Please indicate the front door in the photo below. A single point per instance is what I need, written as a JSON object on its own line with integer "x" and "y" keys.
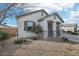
{"x": 50, "y": 33}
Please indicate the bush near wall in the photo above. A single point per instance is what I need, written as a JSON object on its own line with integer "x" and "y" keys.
{"x": 73, "y": 33}
{"x": 3, "y": 36}
{"x": 21, "y": 40}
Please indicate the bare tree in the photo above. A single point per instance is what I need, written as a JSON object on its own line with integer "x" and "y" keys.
{"x": 4, "y": 11}
{"x": 10, "y": 10}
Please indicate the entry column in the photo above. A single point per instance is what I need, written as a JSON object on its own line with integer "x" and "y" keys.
{"x": 54, "y": 29}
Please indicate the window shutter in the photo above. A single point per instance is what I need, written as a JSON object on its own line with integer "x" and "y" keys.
{"x": 25, "y": 25}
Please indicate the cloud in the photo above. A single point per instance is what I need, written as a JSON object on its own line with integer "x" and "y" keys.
{"x": 41, "y": 1}
{"x": 71, "y": 21}
{"x": 51, "y": 6}
{"x": 73, "y": 16}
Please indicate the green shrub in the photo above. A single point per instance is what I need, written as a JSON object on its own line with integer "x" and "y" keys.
{"x": 74, "y": 33}
{"x": 34, "y": 38}
{"x": 3, "y": 35}
{"x": 37, "y": 29}
{"x": 69, "y": 32}
{"x": 19, "y": 41}
{"x": 65, "y": 39}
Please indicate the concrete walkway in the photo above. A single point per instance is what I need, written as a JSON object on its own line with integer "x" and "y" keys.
{"x": 71, "y": 37}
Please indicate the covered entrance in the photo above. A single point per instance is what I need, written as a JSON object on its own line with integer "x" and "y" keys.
{"x": 50, "y": 31}
{"x": 57, "y": 29}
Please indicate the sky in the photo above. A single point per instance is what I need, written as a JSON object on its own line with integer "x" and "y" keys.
{"x": 68, "y": 11}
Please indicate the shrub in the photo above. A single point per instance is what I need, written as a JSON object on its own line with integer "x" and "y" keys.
{"x": 69, "y": 32}
{"x": 34, "y": 38}
{"x": 63, "y": 31}
{"x": 65, "y": 39}
{"x": 37, "y": 29}
{"x": 74, "y": 33}
{"x": 3, "y": 35}
{"x": 19, "y": 41}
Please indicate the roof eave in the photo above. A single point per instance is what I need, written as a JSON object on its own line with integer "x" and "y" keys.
{"x": 32, "y": 12}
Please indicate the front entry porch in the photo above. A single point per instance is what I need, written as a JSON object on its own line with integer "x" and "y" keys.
{"x": 53, "y": 29}
{"x": 50, "y": 31}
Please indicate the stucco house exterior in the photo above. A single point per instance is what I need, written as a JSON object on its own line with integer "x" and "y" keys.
{"x": 78, "y": 29}
{"x": 50, "y": 24}
{"x": 69, "y": 27}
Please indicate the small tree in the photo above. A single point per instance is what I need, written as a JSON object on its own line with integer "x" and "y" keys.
{"x": 37, "y": 29}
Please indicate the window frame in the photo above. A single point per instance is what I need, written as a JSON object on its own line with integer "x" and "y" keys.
{"x": 26, "y": 25}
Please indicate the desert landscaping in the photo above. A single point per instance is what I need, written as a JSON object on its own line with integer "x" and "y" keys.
{"x": 39, "y": 29}
{"x": 38, "y": 48}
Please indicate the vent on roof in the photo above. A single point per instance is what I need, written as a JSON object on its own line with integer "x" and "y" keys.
{"x": 41, "y": 19}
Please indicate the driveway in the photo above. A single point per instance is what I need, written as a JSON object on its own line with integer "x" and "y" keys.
{"x": 71, "y": 37}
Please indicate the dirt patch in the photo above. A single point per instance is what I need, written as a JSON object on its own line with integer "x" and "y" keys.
{"x": 39, "y": 48}
{"x": 46, "y": 48}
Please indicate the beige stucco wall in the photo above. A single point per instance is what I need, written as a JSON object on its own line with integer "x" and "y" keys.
{"x": 44, "y": 25}
{"x": 34, "y": 17}
{"x": 31, "y": 17}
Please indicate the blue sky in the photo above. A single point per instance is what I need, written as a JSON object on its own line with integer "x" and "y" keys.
{"x": 68, "y": 11}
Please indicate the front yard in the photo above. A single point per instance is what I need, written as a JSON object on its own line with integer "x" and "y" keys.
{"x": 38, "y": 48}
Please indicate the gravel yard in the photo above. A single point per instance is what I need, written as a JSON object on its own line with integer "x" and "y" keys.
{"x": 39, "y": 48}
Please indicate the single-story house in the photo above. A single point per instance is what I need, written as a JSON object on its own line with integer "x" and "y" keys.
{"x": 50, "y": 24}
{"x": 69, "y": 27}
{"x": 77, "y": 29}
{"x": 12, "y": 31}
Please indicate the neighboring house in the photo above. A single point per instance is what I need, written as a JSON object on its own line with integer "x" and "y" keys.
{"x": 69, "y": 27}
{"x": 3, "y": 26}
{"x": 78, "y": 29}
{"x": 12, "y": 31}
{"x": 50, "y": 24}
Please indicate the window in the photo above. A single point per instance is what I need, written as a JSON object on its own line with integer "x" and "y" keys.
{"x": 28, "y": 25}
